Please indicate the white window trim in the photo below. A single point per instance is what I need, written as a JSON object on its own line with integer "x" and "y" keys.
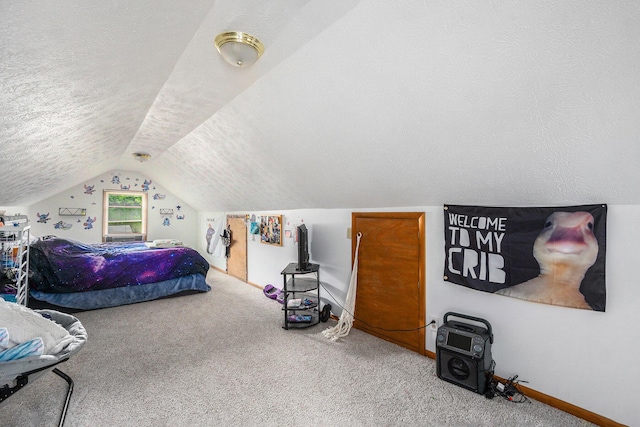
{"x": 106, "y": 236}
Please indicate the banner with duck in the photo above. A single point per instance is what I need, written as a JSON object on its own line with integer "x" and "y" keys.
{"x": 552, "y": 255}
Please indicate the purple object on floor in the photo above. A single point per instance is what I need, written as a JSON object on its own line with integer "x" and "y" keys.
{"x": 272, "y": 292}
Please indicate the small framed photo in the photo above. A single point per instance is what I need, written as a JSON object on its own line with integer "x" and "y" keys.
{"x": 271, "y": 230}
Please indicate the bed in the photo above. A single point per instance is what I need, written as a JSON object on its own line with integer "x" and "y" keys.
{"x": 67, "y": 273}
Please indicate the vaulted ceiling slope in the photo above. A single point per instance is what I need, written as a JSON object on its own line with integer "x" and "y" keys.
{"x": 354, "y": 104}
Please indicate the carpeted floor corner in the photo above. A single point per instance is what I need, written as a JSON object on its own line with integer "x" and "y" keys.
{"x": 223, "y": 359}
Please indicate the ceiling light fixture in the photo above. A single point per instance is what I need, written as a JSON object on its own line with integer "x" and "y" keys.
{"x": 239, "y": 49}
{"x": 141, "y": 157}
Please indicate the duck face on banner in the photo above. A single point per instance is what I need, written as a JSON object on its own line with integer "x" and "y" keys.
{"x": 552, "y": 255}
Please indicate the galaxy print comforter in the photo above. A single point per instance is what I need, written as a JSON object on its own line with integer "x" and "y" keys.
{"x": 61, "y": 265}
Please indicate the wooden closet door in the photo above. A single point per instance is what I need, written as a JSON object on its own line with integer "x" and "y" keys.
{"x": 390, "y": 296}
{"x": 237, "y": 261}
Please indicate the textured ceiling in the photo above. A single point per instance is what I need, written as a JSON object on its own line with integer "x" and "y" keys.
{"x": 354, "y": 104}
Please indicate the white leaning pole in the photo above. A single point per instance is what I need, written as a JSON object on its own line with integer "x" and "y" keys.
{"x": 346, "y": 318}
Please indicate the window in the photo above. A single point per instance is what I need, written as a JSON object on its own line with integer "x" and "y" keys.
{"x": 125, "y": 216}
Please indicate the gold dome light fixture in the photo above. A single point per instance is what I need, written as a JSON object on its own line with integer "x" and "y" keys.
{"x": 141, "y": 157}
{"x": 239, "y": 49}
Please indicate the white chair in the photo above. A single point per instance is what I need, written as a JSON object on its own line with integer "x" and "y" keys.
{"x": 16, "y": 374}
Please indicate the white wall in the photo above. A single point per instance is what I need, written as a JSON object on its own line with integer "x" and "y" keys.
{"x": 328, "y": 246}
{"x": 14, "y": 210}
{"x": 78, "y": 197}
{"x": 585, "y": 358}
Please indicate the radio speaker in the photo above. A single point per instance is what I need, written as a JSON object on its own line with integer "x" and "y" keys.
{"x": 461, "y": 370}
{"x": 463, "y": 353}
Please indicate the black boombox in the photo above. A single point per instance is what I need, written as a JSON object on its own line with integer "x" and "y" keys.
{"x": 463, "y": 353}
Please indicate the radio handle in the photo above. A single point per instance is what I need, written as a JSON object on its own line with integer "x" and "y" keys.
{"x": 476, "y": 319}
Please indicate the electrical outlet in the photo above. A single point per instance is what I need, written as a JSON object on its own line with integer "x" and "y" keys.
{"x": 434, "y": 319}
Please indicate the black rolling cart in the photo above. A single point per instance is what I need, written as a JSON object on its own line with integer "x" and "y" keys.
{"x": 301, "y": 296}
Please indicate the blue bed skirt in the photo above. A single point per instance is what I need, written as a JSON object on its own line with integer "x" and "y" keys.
{"x": 90, "y": 300}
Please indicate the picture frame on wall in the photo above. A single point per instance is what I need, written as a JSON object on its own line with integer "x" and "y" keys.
{"x": 271, "y": 230}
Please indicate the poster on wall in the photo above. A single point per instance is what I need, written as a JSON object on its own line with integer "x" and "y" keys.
{"x": 215, "y": 227}
{"x": 552, "y": 255}
{"x": 271, "y": 230}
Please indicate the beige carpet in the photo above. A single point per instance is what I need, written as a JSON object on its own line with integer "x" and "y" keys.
{"x": 223, "y": 359}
